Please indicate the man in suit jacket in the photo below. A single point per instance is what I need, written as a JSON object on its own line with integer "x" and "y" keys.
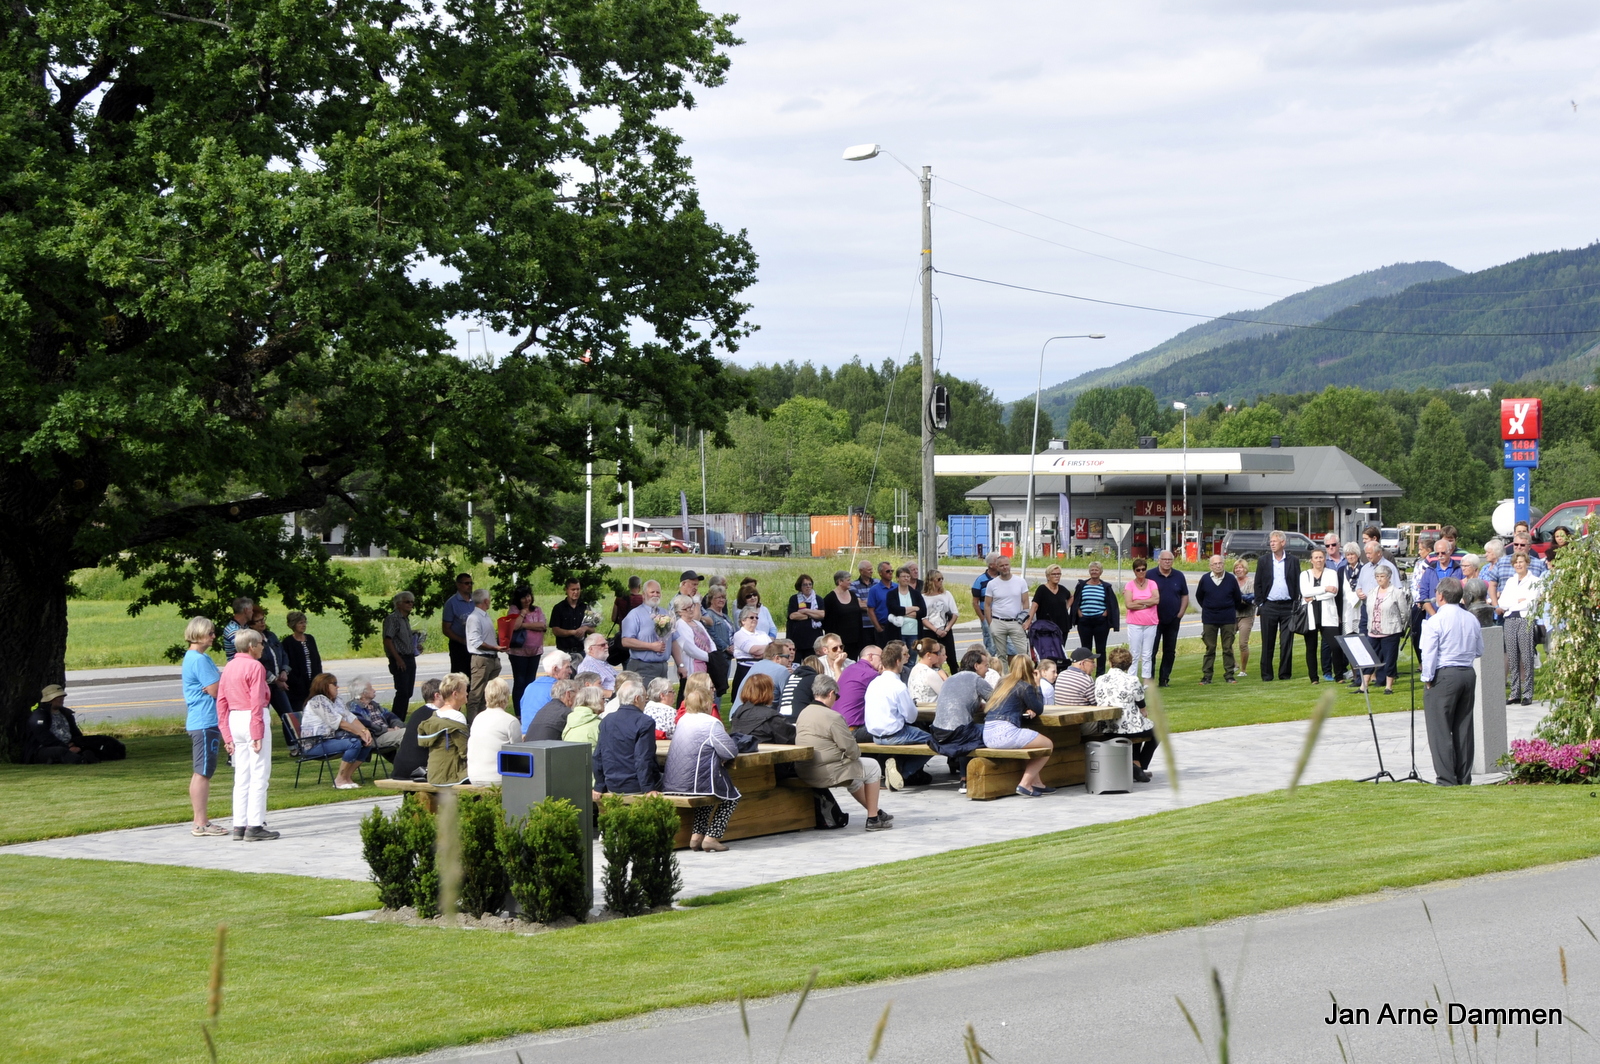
{"x": 1277, "y": 584}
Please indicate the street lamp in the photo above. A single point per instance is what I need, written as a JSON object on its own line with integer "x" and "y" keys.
{"x": 928, "y": 534}
{"x": 1185, "y": 408}
{"x": 1033, "y": 442}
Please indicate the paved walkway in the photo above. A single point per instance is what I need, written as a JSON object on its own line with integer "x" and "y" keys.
{"x": 324, "y": 841}
{"x": 1496, "y": 947}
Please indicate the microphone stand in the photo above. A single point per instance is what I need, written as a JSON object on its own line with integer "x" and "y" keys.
{"x": 1416, "y": 666}
{"x": 1350, "y": 643}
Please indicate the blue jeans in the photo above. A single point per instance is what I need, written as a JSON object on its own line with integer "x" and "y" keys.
{"x": 988, "y": 637}
{"x": 910, "y": 735}
{"x": 346, "y": 745}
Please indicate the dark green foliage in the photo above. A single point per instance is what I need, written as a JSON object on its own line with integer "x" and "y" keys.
{"x": 1388, "y": 343}
{"x": 543, "y": 860}
{"x": 399, "y": 852}
{"x": 641, "y": 869}
{"x": 1105, "y": 409}
{"x": 483, "y": 871}
{"x": 211, "y": 315}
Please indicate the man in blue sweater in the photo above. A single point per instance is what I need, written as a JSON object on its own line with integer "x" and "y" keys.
{"x": 1220, "y": 599}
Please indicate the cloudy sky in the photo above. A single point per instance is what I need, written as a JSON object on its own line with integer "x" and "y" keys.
{"x": 1302, "y": 141}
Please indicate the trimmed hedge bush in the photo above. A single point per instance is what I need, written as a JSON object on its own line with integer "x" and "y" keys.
{"x": 542, "y": 858}
{"x": 641, "y": 867}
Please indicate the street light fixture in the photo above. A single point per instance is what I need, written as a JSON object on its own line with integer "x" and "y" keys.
{"x": 1033, "y": 442}
{"x": 928, "y": 533}
{"x": 1185, "y": 408}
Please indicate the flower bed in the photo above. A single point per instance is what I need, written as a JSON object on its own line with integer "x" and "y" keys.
{"x": 1541, "y": 761}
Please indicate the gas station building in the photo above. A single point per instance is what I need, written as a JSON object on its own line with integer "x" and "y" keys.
{"x": 1164, "y": 498}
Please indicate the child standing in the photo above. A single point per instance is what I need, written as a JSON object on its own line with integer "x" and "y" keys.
{"x": 242, "y": 699}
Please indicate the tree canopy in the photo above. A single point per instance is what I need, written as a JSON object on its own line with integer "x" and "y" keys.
{"x": 235, "y": 235}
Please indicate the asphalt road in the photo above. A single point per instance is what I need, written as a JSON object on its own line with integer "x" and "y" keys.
{"x": 1492, "y": 943}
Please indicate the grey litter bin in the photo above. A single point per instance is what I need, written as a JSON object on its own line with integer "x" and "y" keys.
{"x": 1110, "y": 767}
{"x": 548, "y": 768}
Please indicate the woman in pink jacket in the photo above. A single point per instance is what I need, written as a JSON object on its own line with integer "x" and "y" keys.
{"x": 242, "y": 700}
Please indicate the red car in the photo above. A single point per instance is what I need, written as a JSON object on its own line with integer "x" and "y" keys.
{"x": 1572, "y": 515}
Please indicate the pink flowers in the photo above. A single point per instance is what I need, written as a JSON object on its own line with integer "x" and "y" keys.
{"x": 1541, "y": 761}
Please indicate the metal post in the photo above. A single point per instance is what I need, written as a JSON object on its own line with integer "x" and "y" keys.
{"x": 1166, "y": 518}
{"x": 928, "y": 540}
{"x": 588, "y": 492}
{"x": 1186, "y": 478}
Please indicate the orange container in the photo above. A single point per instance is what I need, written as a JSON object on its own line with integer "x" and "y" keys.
{"x": 840, "y": 534}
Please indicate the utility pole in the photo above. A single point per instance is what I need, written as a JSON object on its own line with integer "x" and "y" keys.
{"x": 928, "y": 530}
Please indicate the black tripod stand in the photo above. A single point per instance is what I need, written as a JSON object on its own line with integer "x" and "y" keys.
{"x": 1363, "y": 656}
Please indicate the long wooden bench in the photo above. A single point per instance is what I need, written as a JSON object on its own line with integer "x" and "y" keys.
{"x": 427, "y": 793}
{"x": 764, "y": 807}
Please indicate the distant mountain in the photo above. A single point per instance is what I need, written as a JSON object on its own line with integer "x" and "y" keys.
{"x": 1303, "y": 308}
{"x": 1535, "y": 318}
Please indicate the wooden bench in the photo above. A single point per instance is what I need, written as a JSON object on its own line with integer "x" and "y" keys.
{"x": 427, "y": 793}
{"x": 682, "y": 801}
{"x": 764, "y": 807}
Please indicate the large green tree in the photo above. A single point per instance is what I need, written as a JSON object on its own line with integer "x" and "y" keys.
{"x": 232, "y": 235}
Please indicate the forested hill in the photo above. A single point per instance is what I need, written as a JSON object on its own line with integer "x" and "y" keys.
{"x": 1414, "y": 339}
{"x": 1302, "y": 308}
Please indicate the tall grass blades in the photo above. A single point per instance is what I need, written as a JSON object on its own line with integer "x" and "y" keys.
{"x": 447, "y": 855}
{"x": 1156, "y": 709}
{"x": 543, "y": 858}
{"x": 214, "y": 992}
{"x": 1319, "y": 714}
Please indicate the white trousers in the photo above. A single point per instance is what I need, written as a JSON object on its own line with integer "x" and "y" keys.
{"x": 251, "y": 770}
{"x": 1142, "y": 644}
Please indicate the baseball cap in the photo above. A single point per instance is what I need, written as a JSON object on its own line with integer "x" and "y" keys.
{"x": 689, "y": 574}
{"x": 1082, "y": 654}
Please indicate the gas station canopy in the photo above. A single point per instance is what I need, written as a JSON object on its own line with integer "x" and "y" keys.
{"x": 1205, "y": 462}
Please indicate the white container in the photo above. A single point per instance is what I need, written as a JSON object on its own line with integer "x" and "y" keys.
{"x": 1110, "y": 767}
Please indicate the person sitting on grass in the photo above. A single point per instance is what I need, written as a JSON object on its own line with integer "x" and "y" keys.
{"x": 410, "y": 763}
{"x": 242, "y": 700}
{"x": 1120, "y": 688}
{"x": 757, "y": 717}
{"x": 445, "y": 733}
{"x": 836, "y": 759}
{"x": 658, "y": 709}
{"x": 1075, "y": 683}
{"x": 328, "y": 728}
{"x": 54, "y": 738}
{"x": 891, "y": 718}
{"x": 696, "y": 765}
{"x": 386, "y": 729}
{"x": 625, "y": 750}
{"x": 491, "y": 729}
{"x": 1017, "y": 700}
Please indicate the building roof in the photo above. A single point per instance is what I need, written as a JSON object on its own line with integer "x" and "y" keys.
{"x": 1318, "y": 471}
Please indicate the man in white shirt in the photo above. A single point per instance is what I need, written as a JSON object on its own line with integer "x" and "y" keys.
{"x": 891, "y": 716}
{"x": 483, "y": 649}
{"x": 1005, "y": 607}
{"x": 1452, "y": 641}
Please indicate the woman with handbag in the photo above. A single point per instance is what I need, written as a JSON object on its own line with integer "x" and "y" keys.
{"x": 1319, "y": 600}
{"x": 522, "y": 634}
{"x": 695, "y": 765}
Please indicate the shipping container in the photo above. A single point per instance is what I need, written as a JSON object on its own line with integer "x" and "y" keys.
{"x": 970, "y": 535}
{"x": 834, "y": 535}
{"x": 796, "y": 528}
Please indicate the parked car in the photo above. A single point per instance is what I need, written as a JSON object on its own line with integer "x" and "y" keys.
{"x": 763, "y": 543}
{"x": 554, "y": 542}
{"x": 1250, "y": 545}
{"x": 662, "y": 543}
{"x": 1572, "y": 515}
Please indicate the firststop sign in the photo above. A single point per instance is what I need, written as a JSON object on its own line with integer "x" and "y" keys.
{"x": 1519, "y": 419}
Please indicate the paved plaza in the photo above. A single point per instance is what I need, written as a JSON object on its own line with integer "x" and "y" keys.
{"x": 325, "y": 841}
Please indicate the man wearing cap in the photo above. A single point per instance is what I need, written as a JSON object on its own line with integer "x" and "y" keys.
{"x": 53, "y": 737}
{"x": 689, "y": 583}
{"x": 1075, "y": 685}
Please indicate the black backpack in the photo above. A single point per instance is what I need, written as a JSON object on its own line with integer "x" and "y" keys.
{"x": 829, "y": 815}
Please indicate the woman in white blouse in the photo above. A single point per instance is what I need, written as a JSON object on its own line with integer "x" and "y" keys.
{"x": 749, "y": 643}
{"x": 1319, "y": 588}
{"x": 942, "y": 612}
{"x": 491, "y": 729}
{"x": 1519, "y": 600}
{"x": 926, "y": 676}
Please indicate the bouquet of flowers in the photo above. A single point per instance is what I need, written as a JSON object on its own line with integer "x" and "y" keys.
{"x": 591, "y": 618}
{"x": 663, "y": 622}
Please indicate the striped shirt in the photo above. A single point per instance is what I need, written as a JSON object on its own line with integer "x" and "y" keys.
{"x": 1074, "y": 687}
{"x": 1092, "y": 601}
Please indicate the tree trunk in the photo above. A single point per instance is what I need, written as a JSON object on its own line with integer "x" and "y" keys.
{"x": 33, "y": 629}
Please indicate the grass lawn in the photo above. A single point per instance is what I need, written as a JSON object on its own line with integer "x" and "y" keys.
{"x": 150, "y": 787}
{"x": 117, "y": 954}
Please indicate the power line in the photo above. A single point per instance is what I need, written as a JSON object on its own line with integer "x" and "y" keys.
{"x": 1120, "y": 240}
{"x": 1108, "y": 258}
{"x": 1257, "y": 321}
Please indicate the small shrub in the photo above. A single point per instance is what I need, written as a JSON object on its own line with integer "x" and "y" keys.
{"x": 1569, "y": 594}
{"x": 388, "y": 843}
{"x": 542, "y": 855}
{"x": 641, "y": 869}
{"x": 483, "y": 871}
{"x": 1540, "y": 761}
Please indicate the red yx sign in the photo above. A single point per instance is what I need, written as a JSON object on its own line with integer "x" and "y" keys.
{"x": 1519, "y": 419}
